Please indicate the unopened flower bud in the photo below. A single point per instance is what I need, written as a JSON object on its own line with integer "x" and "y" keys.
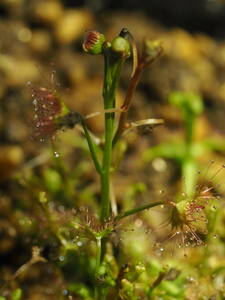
{"x": 127, "y": 288}
{"x": 140, "y": 268}
{"x": 121, "y": 46}
{"x": 93, "y": 42}
{"x": 42, "y": 199}
{"x": 152, "y": 48}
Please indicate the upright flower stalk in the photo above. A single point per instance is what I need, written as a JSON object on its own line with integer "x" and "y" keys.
{"x": 52, "y": 115}
{"x": 115, "y": 53}
{"x": 114, "y": 56}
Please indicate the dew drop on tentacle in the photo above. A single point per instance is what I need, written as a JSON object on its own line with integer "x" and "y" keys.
{"x": 79, "y": 243}
{"x": 56, "y": 154}
{"x": 65, "y": 292}
{"x": 35, "y": 102}
{"x": 61, "y": 258}
{"x": 46, "y": 107}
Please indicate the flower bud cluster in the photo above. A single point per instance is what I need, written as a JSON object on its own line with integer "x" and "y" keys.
{"x": 95, "y": 43}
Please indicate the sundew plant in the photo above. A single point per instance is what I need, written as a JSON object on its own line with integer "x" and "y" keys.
{"x": 87, "y": 254}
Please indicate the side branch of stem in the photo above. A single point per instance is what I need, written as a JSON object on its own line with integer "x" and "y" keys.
{"x": 127, "y": 102}
{"x": 92, "y": 149}
{"x": 138, "y": 209}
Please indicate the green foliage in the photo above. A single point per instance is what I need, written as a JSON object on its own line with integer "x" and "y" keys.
{"x": 52, "y": 180}
{"x": 187, "y": 151}
{"x": 17, "y": 294}
{"x": 190, "y": 104}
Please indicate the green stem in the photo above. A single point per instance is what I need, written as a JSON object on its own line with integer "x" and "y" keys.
{"x": 138, "y": 209}
{"x": 189, "y": 126}
{"x": 100, "y": 290}
{"x": 156, "y": 283}
{"x": 190, "y": 175}
{"x": 189, "y": 166}
{"x": 112, "y": 73}
{"x": 113, "y": 64}
{"x": 98, "y": 255}
{"x": 92, "y": 149}
{"x": 105, "y": 178}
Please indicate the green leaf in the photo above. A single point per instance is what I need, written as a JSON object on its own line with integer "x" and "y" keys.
{"x": 52, "y": 180}
{"x": 171, "y": 288}
{"x": 81, "y": 290}
{"x": 173, "y": 150}
{"x": 214, "y": 144}
{"x": 17, "y": 294}
{"x": 189, "y": 103}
